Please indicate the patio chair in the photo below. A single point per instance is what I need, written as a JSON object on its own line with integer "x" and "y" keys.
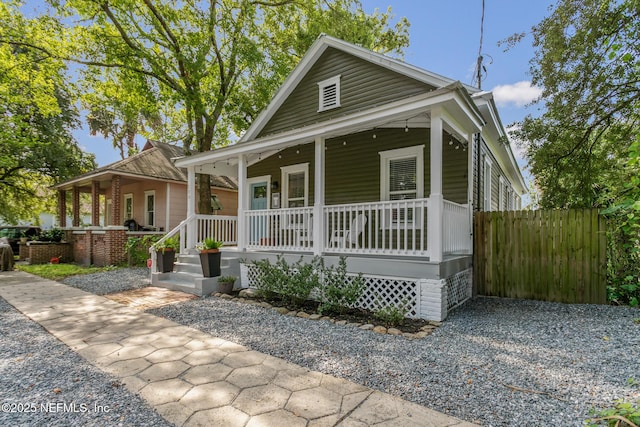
{"x": 348, "y": 238}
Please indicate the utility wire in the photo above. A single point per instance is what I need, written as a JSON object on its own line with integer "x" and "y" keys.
{"x": 479, "y": 67}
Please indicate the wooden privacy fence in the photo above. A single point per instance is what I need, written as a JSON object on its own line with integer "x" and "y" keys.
{"x": 556, "y": 255}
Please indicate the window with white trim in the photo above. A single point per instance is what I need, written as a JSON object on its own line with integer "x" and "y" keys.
{"x": 107, "y": 212}
{"x": 487, "y": 183}
{"x": 128, "y": 206}
{"x": 402, "y": 178}
{"x": 150, "y": 208}
{"x": 295, "y": 185}
{"x": 329, "y": 93}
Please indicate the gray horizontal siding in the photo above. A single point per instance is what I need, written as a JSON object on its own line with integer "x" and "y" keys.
{"x": 352, "y": 171}
{"x": 363, "y": 85}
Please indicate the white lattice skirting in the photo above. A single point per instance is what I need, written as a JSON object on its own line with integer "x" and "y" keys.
{"x": 423, "y": 298}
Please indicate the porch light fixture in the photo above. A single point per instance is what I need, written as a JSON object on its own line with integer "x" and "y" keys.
{"x": 275, "y": 186}
{"x": 406, "y": 125}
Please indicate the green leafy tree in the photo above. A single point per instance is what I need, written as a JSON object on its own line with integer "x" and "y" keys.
{"x": 36, "y": 119}
{"x": 584, "y": 149}
{"x": 587, "y": 63}
{"x": 206, "y": 68}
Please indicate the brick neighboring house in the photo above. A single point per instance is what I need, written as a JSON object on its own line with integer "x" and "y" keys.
{"x": 146, "y": 192}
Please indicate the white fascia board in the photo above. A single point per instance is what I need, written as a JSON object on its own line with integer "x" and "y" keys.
{"x": 362, "y": 120}
{"x": 312, "y": 55}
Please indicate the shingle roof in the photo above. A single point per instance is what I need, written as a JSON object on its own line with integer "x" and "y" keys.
{"x": 154, "y": 161}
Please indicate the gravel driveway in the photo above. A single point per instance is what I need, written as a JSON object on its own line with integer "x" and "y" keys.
{"x": 494, "y": 361}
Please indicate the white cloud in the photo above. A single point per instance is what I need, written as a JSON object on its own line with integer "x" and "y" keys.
{"x": 518, "y": 94}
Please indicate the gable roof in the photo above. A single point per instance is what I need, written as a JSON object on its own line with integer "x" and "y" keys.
{"x": 322, "y": 43}
{"x": 154, "y": 161}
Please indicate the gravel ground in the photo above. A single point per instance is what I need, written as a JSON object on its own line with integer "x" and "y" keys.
{"x": 109, "y": 282}
{"x": 494, "y": 361}
{"x": 41, "y": 375}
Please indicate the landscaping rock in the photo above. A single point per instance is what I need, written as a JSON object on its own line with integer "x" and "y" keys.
{"x": 315, "y": 316}
{"x": 367, "y": 327}
{"x": 394, "y": 331}
{"x": 282, "y": 310}
{"x": 303, "y": 315}
{"x": 380, "y": 330}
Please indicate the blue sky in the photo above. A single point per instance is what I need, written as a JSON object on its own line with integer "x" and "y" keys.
{"x": 445, "y": 37}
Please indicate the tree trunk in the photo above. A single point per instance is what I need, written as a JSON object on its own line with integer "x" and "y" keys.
{"x": 203, "y": 186}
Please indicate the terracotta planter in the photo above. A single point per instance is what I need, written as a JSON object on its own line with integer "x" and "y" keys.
{"x": 210, "y": 261}
{"x": 164, "y": 261}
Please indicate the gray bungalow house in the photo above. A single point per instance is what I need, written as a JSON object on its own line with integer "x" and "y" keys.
{"x": 366, "y": 156}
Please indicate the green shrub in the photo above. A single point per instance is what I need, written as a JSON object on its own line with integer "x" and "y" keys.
{"x": 294, "y": 283}
{"x": 623, "y": 253}
{"x": 390, "y": 315}
{"x": 338, "y": 292}
{"x": 52, "y": 235}
{"x": 623, "y": 414}
{"x": 137, "y": 249}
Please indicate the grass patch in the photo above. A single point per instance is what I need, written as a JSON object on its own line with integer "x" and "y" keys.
{"x": 61, "y": 271}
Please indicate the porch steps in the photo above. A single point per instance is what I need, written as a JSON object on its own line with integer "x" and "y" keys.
{"x": 187, "y": 274}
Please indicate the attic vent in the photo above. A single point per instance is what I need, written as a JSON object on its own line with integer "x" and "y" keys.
{"x": 329, "y": 95}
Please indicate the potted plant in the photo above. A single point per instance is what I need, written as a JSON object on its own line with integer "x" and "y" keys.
{"x": 225, "y": 284}
{"x": 166, "y": 254}
{"x": 210, "y": 257}
{"x": 23, "y": 237}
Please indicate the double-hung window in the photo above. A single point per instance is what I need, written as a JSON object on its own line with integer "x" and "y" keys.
{"x": 295, "y": 185}
{"x": 150, "y": 208}
{"x": 402, "y": 178}
{"x": 128, "y": 206}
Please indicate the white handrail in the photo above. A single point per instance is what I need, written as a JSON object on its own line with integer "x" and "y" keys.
{"x": 183, "y": 245}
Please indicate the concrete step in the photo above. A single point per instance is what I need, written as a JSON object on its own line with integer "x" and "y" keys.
{"x": 187, "y": 274}
{"x": 183, "y": 267}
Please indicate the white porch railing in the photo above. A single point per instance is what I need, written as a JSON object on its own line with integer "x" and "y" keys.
{"x": 218, "y": 227}
{"x": 396, "y": 227}
{"x": 456, "y": 225}
{"x": 280, "y": 229}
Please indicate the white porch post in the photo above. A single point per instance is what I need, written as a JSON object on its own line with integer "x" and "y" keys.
{"x": 434, "y": 218}
{"x": 318, "y": 196}
{"x": 242, "y": 202}
{"x": 191, "y": 206}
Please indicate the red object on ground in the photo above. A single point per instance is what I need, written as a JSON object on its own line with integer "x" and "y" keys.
{"x": 149, "y": 263}
{"x": 55, "y": 260}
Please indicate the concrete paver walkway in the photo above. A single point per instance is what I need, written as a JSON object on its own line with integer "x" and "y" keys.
{"x": 193, "y": 378}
